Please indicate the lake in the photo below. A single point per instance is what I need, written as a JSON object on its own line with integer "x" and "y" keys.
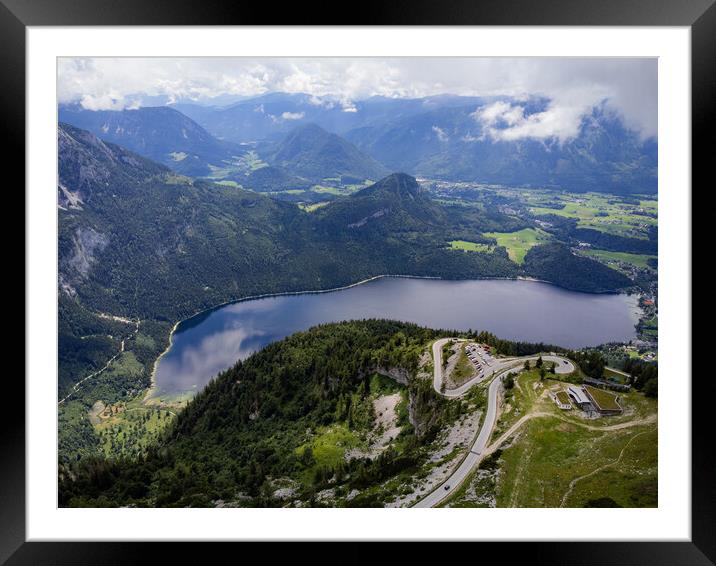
{"x": 520, "y": 310}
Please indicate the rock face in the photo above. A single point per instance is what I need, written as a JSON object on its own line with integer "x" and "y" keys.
{"x": 87, "y": 242}
{"x": 423, "y": 402}
{"x": 401, "y": 375}
{"x": 423, "y": 406}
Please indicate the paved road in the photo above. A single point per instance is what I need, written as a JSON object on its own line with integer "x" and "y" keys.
{"x": 496, "y": 366}
{"x": 497, "y": 370}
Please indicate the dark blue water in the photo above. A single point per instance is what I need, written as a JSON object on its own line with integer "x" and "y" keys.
{"x": 519, "y": 310}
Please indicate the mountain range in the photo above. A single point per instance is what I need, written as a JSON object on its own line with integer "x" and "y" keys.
{"x": 307, "y": 139}
{"x": 451, "y": 144}
{"x": 271, "y": 116}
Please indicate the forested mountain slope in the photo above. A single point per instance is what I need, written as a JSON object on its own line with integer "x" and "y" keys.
{"x": 253, "y": 424}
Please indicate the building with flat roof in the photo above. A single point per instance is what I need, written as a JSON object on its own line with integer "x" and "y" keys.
{"x": 605, "y": 403}
{"x": 561, "y": 400}
{"x": 580, "y": 398}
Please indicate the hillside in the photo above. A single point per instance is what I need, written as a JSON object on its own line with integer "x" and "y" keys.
{"x": 395, "y": 204}
{"x": 276, "y": 420}
{"x": 311, "y": 152}
{"x": 158, "y": 133}
{"x": 555, "y": 261}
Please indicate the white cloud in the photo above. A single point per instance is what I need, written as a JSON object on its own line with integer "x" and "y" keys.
{"x": 293, "y": 115}
{"x": 508, "y": 122}
{"x": 442, "y": 136}
{"x": 571, "y": 85}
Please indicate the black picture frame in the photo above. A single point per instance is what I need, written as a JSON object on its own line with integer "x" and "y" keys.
{"x": 699, "y": 15}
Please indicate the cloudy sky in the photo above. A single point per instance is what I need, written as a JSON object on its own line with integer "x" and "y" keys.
{"x": 572, "y": 85}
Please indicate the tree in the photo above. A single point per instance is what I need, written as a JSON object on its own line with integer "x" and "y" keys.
{"x": 510, "y": 381}
{"x": 527, "y": 365}
{"x": 538, "y": 363}
{"x": 541, "y": 374}
{"x": 651, "y": 387}
{"x": 307, "y": 458}
{"x": 552, "y": 368}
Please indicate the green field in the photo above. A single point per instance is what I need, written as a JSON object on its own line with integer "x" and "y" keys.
{"x": 327, "y": 190}
{"x": 228, "y": 183}
{"x": 606, "y": 213}
{"x": 560, "y": 460}
{"x": 330, "y": 444}
{"x": 551, "y": 454}
{"x": 311, "y": 207}
{"x": 519, "y": 243}
{"x": 521, "y": 399}
{"x": 639, "y": 260}
{"x": 470, "y": 246}
{"x": 615, "y": 375}
{"x": 131, "y": 427}
{"x": 241, "y": 165}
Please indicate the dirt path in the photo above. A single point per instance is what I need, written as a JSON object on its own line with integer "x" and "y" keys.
{"x": 76, "y": 386}
{"x": 515, "y": 427}
{"x": 599, "y": 469}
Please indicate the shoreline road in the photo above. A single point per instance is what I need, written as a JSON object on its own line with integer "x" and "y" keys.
{"x": 497, "y": 370}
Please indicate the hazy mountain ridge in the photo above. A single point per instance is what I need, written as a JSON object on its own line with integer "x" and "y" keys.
{"x": 273, "y": 115}
{"x": 442, "y": 137}
{"x": 159, "y": 133}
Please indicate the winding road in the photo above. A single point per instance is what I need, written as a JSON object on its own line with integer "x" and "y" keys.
{"x": 496, "y": 370}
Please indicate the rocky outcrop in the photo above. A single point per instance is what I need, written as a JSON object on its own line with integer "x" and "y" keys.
{"x": 424, "y": 407}
{"x": 401, "y": 375}
{"x": 75, "y": 263}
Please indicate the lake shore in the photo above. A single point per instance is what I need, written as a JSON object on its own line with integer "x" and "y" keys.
{"x": 151, "y": 391}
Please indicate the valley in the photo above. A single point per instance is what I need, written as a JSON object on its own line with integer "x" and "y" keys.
{"x": 309, "y": 306}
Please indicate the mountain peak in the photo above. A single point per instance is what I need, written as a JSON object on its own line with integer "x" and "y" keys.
{"x": 399, "y": 184}
{"x": 395, "y": 202}
{"x": 313, "y": 153}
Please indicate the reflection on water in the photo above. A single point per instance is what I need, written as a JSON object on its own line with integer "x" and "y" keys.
{"x": 518, "y": 310}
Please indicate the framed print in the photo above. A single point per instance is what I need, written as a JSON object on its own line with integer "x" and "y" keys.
{"x": 409, "y": 277}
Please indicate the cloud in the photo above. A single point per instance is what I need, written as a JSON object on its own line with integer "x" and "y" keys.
{"x": 571, "y": 86}
{"x": 442, "y": 136}
{"x": 507, "y": 122}
{"x": 293, "y": 115}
